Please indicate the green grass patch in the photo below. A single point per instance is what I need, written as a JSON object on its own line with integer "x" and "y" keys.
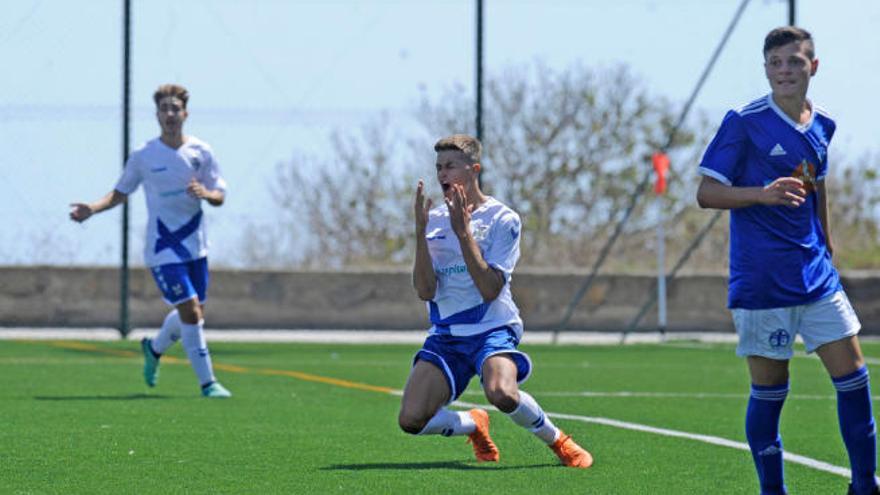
{"x": 82, "y": 421}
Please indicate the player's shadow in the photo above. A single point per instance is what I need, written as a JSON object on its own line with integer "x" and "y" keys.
{"x": 101, "y": 397}
{"x": 406, "y": 466}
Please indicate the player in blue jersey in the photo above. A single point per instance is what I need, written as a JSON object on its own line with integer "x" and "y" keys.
{"x": 767, "y": 165}
{"x": 466, "y": 250}
{"x": 177, "y": 173}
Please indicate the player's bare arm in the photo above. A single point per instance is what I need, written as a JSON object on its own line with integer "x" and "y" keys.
{"x": 196, "y": 189}
{"x": 488, "y": 280}
{"x": 824, "y": 214}
{"x": 80, "y": 212}
{"x": 424, "y": 278}
{"x": 785, "y": 191}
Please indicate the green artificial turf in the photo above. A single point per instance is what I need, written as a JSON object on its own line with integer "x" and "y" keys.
{"x": 308, "y": 418}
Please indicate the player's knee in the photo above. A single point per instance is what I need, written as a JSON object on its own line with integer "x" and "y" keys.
{"x": 411, "y": 423}
{"x": 190, "y": 312}
{"x": 505, "y": 398}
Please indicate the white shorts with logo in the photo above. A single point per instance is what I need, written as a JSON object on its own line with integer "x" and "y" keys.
{"x": 771, "y": 332}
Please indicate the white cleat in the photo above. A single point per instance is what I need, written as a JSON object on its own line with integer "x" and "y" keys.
{"x": 215, "y": 391}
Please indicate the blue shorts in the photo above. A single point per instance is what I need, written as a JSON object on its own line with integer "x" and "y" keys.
{"x": 460, "y": 358}
{"x": 181, "y": 282}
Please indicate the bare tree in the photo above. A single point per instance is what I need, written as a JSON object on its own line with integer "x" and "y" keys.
{"x": 566, "y": 149}
{"x": 354, "y": 205}
{"x": 854, "y": 201}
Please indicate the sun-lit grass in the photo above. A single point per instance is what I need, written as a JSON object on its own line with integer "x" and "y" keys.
{"x": 78, "y": 419}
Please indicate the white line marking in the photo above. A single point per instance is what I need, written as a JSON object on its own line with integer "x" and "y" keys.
{"x": 668, "y": 395}
{"x": 723, "y": 442}
{"x": 798, "y": 354}
{"x": 415, "y": 336}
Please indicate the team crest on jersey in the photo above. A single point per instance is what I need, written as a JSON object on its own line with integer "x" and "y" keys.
{"x": 194, "y": 160}
{"x": 806, "y": 172}
{"x": 479, "y": 231}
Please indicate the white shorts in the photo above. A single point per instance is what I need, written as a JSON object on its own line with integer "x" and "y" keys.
{"x": 771, "y": 332}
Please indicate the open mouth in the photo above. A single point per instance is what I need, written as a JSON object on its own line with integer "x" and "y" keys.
{"x": 446, "y": 186}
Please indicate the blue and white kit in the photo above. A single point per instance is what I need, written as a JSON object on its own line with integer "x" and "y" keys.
{"x": 782, "y": 280}
{"x": 458, "y": 307}
{"x": 175, "y": 246}
{"x": 175, "y": 225}
{"x": 465, "y": 329}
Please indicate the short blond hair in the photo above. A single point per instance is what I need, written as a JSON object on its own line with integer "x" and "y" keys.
{"x": 468, "y": 145}
{"x": 174, "y": 90}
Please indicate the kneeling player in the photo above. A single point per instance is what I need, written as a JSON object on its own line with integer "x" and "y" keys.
{"x": 465, "y": 253}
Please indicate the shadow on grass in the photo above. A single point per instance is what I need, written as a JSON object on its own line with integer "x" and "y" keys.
{"x": 452, "y": 465}
{"x": 101, "y": 397}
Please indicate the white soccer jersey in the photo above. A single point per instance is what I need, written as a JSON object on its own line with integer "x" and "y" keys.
{"x": 175, "y": 227}
{"x": 457, "y": 307}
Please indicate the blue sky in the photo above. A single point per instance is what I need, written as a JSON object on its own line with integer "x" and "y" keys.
{"x": 271, "y": 78}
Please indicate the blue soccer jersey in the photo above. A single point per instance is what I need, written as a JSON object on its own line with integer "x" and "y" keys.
{"x": 778, "y": 256}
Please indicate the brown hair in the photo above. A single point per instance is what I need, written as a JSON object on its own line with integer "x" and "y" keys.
{"x": 174, "y": 90}
{"x": 468, "y": 145}
{"x": 787, "y": 34}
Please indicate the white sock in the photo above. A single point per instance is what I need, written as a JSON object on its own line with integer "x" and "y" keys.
{"x": 449, "y": 423}
{"x": 193, "y": 340}
{"x": 530, "y": 416}
{"x": 168, "y": 334}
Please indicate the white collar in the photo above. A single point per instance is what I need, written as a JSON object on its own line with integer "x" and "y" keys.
{"x": 799, "y": 127}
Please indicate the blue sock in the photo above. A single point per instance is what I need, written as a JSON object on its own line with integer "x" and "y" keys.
{"x": 762, "y": 432}
{"x": 857, "y": 427}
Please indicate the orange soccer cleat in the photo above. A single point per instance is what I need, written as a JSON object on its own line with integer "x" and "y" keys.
{"x": 570, "y": 453}
{"x": 484, "y": 448}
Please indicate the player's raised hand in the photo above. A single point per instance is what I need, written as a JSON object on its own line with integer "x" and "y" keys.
{"x": 196, "y": 189}
{"x": 459, "y": 210}
{"x": 80, "y": 212}
{"x": 422, "y": 206}
{"x": 786, "y": 191}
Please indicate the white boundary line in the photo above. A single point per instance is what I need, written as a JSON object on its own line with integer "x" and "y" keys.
{"x": 416, "y": 336}
{"x": 689, "y": 340}
{"x": 723, "y": 442}
{"x": 623, "y": 394}
{"x": 798, "y": 354}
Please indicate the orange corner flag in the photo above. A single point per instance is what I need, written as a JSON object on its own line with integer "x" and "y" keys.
{"x": 661, "y": 166}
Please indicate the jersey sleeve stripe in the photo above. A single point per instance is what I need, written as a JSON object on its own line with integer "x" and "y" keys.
{"x": 716, "y": 175}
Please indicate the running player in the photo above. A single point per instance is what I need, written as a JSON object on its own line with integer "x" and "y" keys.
{"x": 177, "y": 172}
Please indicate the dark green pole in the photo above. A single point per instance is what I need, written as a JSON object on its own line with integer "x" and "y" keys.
{"x": 479, "y": 122}
{"x": 479, "y": 95}
{"x": 124, "y": 327}
{"x": 791, "y": 12}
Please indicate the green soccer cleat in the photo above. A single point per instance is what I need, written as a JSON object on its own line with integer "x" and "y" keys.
{"x": 151, "y": 363}
{"x": 214, "y": 390}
